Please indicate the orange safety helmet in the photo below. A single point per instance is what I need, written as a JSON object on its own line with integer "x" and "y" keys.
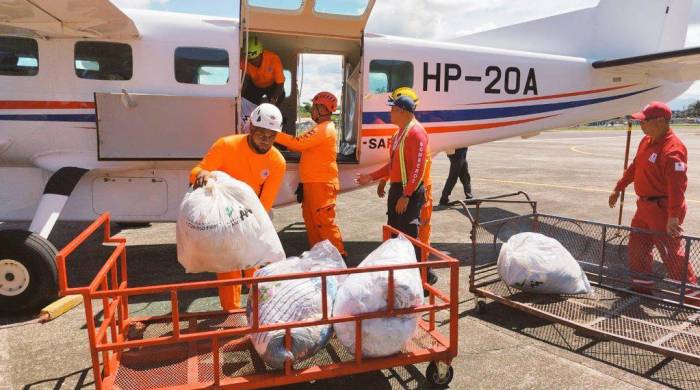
{"x": 326, "y": 99}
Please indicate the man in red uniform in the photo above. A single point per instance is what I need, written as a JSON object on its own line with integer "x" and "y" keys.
{"x": 660, "y": 180}
{"x": 426, "y": 211}
{"x": 408, "y": 155}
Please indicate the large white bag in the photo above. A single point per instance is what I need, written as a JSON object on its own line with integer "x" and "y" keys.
{"x": 536, "y": 263}
{"x": 223, "y": 226}
{"x": 367, "y": 292}
{"x": 295, "y": 300}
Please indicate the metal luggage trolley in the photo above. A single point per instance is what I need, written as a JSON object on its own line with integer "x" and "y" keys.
{"x": 210, "y": 349}
{"x": 663, "y": 317}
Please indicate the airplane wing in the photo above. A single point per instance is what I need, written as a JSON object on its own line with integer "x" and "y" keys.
{"x": 66, "y": 18}
{"x": 676, "y": 66}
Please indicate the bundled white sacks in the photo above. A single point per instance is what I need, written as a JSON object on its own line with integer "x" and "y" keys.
{"x": 223, "y": 226}
{"x": 536, "y": 263}
{"x": 367, "y": 292}
{"x": 295, "y": 300}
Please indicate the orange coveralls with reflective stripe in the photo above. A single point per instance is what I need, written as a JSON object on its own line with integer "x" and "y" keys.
{"x": 318, "y": 172}
{"x": 426, "y": 211}
{"x": 262, "y": 172}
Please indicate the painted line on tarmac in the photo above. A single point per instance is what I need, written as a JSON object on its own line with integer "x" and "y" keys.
{"x": 558, "y": 186}
{"x": 575, "y": 149}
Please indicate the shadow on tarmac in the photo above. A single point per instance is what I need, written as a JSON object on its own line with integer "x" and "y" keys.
{"x": 157, "y": 264}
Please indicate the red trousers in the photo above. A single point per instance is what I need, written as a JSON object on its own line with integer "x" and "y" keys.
{"x": 653, "y": 216}
{"x": 318, "y": 209}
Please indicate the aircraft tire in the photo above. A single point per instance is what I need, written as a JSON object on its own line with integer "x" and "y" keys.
{"x": 28, "y": 275}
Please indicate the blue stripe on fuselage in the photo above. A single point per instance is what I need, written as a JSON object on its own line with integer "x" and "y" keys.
{"x": 50, "y": 117}
{"x": 475, "y": 114}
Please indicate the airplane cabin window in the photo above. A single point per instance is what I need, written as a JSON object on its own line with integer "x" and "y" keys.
{"x": 201, "y": 65}
{"x": 344, "y": 8}
{"x": 387, "y": 75}
{"x": 103, "y": 61}
{"x": 287, "y": 5}
{"x": 18, "y": 56}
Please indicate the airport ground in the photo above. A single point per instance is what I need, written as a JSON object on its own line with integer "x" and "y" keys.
{"x": 570, "y": 173}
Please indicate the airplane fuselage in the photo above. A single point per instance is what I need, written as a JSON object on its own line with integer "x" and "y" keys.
{"x": 468, "y": 95}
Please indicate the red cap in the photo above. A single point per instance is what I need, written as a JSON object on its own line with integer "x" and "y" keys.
{"x": 653, "y": 110}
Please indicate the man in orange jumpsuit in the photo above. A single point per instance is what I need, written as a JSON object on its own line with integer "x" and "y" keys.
{"x": 659, "y": 173}
{"x": 318, "y": 172}
{"x": 264, "y": 74}
{"x": 252, "y": 159}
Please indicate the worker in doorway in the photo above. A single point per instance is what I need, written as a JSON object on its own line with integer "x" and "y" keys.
{"x": 459, "y": 169}
{"x": 252, "y": 159}
{"x": 318, "y": 172}
{"x": 659, "y": 172}
{"x": 263, "y": 74}
{"x": 408, "y": 153}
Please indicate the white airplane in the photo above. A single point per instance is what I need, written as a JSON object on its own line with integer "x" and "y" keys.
{"x": 103, "y": 109}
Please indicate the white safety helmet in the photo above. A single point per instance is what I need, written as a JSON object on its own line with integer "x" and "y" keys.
{"x": 267, "y": 116}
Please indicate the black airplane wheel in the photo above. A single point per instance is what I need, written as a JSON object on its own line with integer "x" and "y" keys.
{"x": 28, "y": 276}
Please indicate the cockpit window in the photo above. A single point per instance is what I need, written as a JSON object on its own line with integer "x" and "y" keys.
{"x": 18, "y": 56}
{"x": 103, "y": 61}
{"x": 287, "y": 5}
{"x": 344, "y": 8}
{"x": 387, "y": 75}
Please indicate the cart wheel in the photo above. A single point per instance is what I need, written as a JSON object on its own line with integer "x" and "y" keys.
{"x": 480, "y": 307}
{"x": 28, "y": 277}
{"x": 432, "y": 375}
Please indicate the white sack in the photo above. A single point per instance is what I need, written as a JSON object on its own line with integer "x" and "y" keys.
{"x": 295, "y": 300}
{"x": 536, "y": 263}
{"x": 247, "y": 108}
{"x": 367, "y": 292}
{"x": 223, "y": 226}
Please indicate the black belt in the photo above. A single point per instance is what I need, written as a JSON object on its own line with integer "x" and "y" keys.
{"x": 653, "y": 198}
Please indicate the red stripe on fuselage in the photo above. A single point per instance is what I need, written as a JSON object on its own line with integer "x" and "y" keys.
{"x": 40, "y": 104}
{"x": 561, "y": 95}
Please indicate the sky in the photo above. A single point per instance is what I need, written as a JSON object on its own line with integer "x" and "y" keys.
{"x": 426, "y": 19}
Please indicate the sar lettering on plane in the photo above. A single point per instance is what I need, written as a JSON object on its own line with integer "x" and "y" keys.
{"x": 378, "y": 143}
{"x": 511, "y": 81}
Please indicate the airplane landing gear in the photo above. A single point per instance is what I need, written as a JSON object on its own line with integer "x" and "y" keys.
{"x": 28, "y": 277}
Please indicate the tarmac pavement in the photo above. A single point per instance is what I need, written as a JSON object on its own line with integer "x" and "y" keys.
{"x": 570, "y": 173}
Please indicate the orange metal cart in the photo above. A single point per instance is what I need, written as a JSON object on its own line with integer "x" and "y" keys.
{"x": 210, "y": 349}
{"x": 665, "y": 318}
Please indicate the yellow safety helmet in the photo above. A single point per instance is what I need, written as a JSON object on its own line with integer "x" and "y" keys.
{"x": 255, "y": 47}
{"x": 405, "y": 98}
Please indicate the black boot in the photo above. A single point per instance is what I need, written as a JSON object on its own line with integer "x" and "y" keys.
{"x": 432, "y": 279}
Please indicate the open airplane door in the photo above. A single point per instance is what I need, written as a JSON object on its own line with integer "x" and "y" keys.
{"x": 327, "y": 18}
{"x": 294, "y": 28}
